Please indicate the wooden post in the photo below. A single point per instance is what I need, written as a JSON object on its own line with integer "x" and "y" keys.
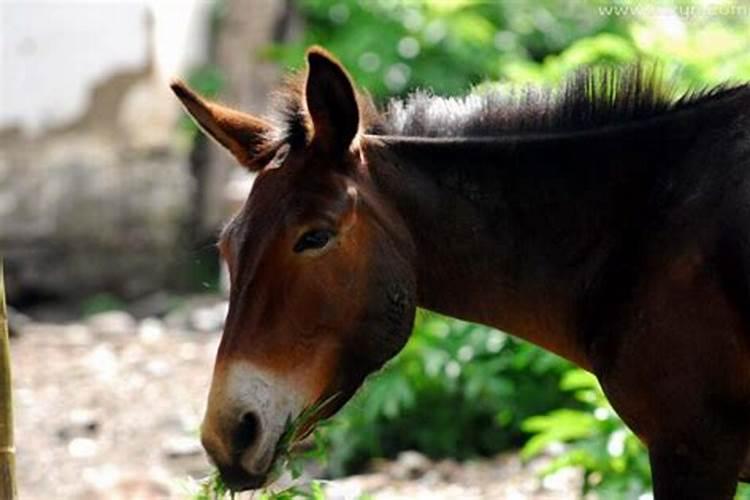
{"x": 7, "y": 449}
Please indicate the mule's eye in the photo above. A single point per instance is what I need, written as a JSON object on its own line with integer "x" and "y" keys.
{"x": 313, "y": 240}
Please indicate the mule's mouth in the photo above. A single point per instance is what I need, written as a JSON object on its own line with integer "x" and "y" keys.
{"x": 237, "y": 479}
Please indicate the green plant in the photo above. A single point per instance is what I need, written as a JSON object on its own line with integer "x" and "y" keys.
{"x": 209, "y": 488}
{"x": 391, "y": 47}
{"x": 456, "y": 390}
{"x": 614, "y": 462}
{"x": 101, "y": 302}
{"x": 213, "y": 488}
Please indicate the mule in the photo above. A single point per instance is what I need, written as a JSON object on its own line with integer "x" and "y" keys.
{"x": 607, "y": 221}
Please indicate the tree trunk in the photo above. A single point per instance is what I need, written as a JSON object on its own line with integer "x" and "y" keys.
{"x": 242, "y": 35}
{"x": 7, "y": 450}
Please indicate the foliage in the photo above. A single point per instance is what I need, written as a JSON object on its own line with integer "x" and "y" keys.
{"x": 456, "y": 390}
{"x": 289, "y": 455}
{"x": 101, "y": 302}
{"x": 314, "y": 492}
{"x": 213, "y": 488}
{"x": 614, "y": 462}
{"x": 210, "y": 488}
{"x": 394, "y": 46}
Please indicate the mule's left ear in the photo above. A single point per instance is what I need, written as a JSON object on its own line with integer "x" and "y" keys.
{"x": 242, "y": 134}
{"x": 331, "y": 102}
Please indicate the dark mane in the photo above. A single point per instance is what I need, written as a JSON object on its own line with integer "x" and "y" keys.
{"x": 590, "y": 98}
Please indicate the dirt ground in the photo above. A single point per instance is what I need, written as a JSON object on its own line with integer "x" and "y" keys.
{"x": 109, "y": 408}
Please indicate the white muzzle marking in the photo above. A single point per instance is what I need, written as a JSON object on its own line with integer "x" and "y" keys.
{"x": 273, "y": 400}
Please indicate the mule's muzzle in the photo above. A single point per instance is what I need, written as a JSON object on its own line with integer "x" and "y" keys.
{"x": 231, "y": 455}
{"x": 246, "y": 416}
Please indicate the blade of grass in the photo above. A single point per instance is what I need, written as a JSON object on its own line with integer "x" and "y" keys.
{"x": 295, "y": 431}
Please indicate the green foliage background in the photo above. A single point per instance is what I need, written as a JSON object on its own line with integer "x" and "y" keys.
{"x": 464, "y": 390}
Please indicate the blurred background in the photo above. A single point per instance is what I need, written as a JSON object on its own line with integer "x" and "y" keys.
{"x": 110, "y": 201}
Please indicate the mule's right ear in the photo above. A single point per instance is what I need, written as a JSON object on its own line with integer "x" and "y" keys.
{"x": 245, "y": 136}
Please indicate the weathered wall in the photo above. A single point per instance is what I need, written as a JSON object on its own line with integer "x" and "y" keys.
{"x": 87, "y": 208}
{"x": 93, "y": 197}
{"x": 104, "y": 199}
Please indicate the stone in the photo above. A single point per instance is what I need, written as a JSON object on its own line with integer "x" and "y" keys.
{"x": 155, "y": 304}
{"x": 81, "y": 423}
{"x": 410, "y": 465}
{"x": 181, "y": 447}
{"x": 114, "y": 323}
{"x": 82, "y": 447}
{"x": 150, "y": 330}
{"x": 129, "y": 489}
{"x": 209, "y": 319}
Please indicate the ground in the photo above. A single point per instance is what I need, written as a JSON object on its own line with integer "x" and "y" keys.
{"x": 109, "y": 408}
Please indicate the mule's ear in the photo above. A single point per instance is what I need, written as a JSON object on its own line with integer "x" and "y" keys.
{"x": 245, "y": 136}
{"x": 331, "y": 102}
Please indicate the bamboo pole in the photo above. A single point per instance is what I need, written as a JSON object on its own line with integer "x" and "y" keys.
{"x": 7, "y": 449}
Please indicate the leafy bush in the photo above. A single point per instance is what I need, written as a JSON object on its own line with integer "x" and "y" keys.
{"x": 457, "y": 390}
{"x": 391, "y": 46}
{"x": 614, "y": 462}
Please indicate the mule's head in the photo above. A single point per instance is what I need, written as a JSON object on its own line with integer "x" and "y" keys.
{"x": 321, "y": 267}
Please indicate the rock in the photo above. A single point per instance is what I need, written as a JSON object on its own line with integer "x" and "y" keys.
{"x": 182, "y": 447}
{"x": 103, "y": 362}
{"x": 565, "y": 479}
{"x": 64, "y": 335}
{"x": 152, "y": 305}
{"x": 82, "y": 447}
{"x": 209, "y": 319}
{"x": 81, "y": 423}
{"x": 129, "y": 489}
{"x": 449, "y": 469}
{"x": 157, "y": 368}
{"x": 150, "y": 330}
{"x": 201, "y": 313}
{"x": 115, "y": 323}
{"x": 410, "y": 465}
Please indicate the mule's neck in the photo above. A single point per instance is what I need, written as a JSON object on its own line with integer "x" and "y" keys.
{"x": 510, "y": 232}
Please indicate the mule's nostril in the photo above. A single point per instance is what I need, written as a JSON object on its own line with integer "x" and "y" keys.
{"x": 247, "y": 431}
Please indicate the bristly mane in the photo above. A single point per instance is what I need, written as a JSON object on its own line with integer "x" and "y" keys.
{"x": 589, "y": 99}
